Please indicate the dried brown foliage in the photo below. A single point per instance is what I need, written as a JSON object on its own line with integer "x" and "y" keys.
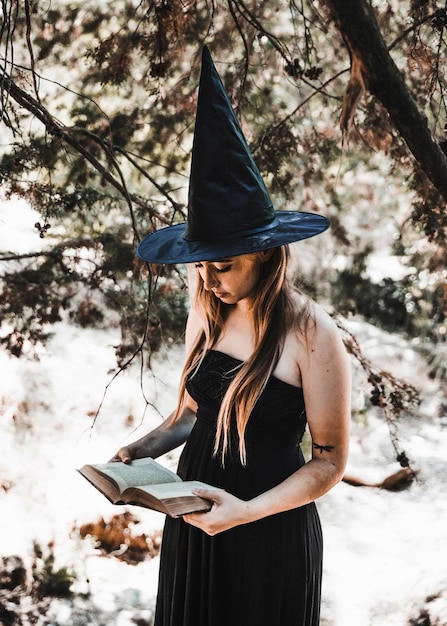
{"x": 117, "y": 537}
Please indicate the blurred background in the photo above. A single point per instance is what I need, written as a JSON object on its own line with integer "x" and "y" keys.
{"x": 345, "y": 114}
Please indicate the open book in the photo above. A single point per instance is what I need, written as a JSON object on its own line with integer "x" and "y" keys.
{"x": 148, "y": 484}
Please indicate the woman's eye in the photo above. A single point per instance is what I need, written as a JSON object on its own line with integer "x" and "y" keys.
{"x": 218, "y": 270}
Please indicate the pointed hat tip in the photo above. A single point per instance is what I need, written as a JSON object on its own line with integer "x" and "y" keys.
{"x": 207, "y": 61}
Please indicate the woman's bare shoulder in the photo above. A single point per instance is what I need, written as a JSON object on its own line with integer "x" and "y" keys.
{"x": 326, "y": 342}
{"x": 315, "y": 328}
{"x": 324, "y": 322}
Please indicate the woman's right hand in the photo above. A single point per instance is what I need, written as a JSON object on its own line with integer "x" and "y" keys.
{"x": 124, "y": 455}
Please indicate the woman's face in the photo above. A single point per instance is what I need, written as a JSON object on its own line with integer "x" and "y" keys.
{"x": 232, "y": 280}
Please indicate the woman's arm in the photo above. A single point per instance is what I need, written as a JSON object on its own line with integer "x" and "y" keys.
{"x": 326, "y": 380}
{"x": 164, "y": 438}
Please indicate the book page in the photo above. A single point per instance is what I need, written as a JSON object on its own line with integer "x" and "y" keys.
{"x": 140, "y": 472}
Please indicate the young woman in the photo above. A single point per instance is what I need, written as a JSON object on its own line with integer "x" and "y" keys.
{"x": 262, "y": 362}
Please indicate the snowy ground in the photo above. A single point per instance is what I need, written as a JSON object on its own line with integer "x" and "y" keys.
{"x": 384, "y": 552}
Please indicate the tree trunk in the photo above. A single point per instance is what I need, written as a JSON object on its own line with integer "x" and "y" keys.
{"x": 358, "y": 26}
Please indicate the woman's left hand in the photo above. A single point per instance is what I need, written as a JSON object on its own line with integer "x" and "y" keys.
{"x": 227, "y": 512}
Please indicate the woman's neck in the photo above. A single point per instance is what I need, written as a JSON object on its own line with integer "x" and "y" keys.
{"x": 237, "y": 336}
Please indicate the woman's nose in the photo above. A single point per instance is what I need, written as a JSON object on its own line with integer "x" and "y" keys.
{"x": 209, "y": 279}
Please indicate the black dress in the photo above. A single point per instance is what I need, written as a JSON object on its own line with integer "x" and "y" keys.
{"x": 266, "y": 573}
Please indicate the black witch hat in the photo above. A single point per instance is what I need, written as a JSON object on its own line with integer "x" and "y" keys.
{"x": 229, "y": 209}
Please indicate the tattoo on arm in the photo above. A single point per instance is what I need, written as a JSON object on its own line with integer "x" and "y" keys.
{"x": 321, "y": 448}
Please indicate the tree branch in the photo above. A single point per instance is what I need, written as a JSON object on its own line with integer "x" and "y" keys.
{"x": 80, "y": 242}
{"x": 68, "y": 136}
{"x": 358, "y": 26}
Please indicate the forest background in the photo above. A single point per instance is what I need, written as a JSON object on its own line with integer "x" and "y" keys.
{"x": 343, "y": 103}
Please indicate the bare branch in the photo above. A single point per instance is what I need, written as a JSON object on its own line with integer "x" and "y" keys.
{"x": 30, "y": 46}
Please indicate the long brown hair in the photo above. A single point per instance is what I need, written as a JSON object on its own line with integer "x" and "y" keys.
{"x": 273, "y": 313}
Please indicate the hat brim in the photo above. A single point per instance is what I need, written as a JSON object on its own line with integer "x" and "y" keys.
{"x": 168, "y": 246}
